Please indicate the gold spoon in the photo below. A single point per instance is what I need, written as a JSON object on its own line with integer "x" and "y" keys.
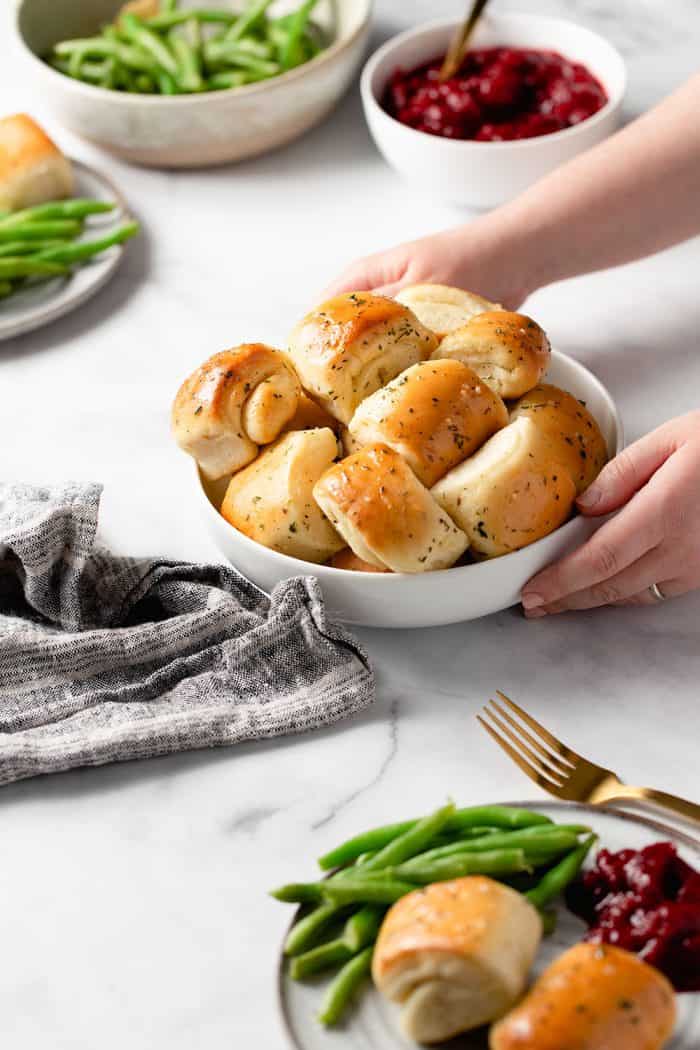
{"x": 460, "y": 39}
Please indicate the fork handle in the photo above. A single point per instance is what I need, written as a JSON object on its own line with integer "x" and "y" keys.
{"x": 680, "y": 806}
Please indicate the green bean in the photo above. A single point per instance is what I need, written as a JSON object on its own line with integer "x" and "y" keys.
{"x": 166, "y": 83}
{"x": 362, "y": 928}
{"x": 168, "y": 5}
{"x": 307, "y": 930}
{"x": 217, "y": 54}
{"x": 496, "y": 862}
{"x": 344, "y": 986}
{"x": 223, "y": 81}
{"x": 412, "y": 841}
{"x": 297, "y": 893}
{"x": 246, "y": 21}
{"x": 292, "y": 53}
{"x": 150, "y": 42}
{"x": 377, "y": 838}
{"x": 322, "y": 957}
{"x": 168, "y": 19}
{"x": 255, "y": 47}
{"x": 128, "y": 55}
{"x": 30, "y": 247}
{"x": 5, "y": 289}
{"x": 27, "y": 266}
{"x": 40, "y": 231}
{"x": 547, "y": 840}
{"x": 72, "y": 253}
{"x": 558, "y": 878}
{"x": 75, "y": 208}
{"x": 549, "y": 921}
{"x": 108, "y": 76}
{"x": 360, "y": 890}
{"x": 189, "y": 75}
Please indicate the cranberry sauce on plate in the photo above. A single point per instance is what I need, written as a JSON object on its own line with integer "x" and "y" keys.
{"x": 499, "y": 94}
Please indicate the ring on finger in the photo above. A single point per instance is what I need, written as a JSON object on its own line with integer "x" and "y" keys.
{"x": 656, "y": 593}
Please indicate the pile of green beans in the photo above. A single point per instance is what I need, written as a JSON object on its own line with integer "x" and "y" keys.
{"x": 370, "y": 872}
{"x": 191, "y": 50}
{"x": 41, "y": 242}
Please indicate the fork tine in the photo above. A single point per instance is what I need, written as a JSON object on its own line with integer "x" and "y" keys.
{"x": 537, "y": 763}
{"x": 562, "y": 766}
{"x": 561, "y": 749}
{"x": 541, "y": 781}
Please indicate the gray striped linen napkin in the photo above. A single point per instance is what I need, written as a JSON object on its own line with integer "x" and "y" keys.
{"x": 106, "y": 658}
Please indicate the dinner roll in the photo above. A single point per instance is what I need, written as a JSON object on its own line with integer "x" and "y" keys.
{"x": 32, "y": 167}
{"x": 510, "y": 493}
{"x": 509, "y": 351}
{"x": 270, "y": 501}
{"x": 234, "y": 402}
{"x": 456, "y": 955}
{"x": 593, "y": 997}
{"x": 349, "y": 443}
{"x": 385, "y": 515}
{"x": 349, "y": 346}
{"x": 441, "y": 308}
{"x": 434, "y": 414}
{"x": 310, "y": 415}
{"x": 347, "y": 559}
{"x": 570, "y": 427}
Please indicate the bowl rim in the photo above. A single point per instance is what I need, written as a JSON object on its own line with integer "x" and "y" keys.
{"x": 370, "y": 99}
{"x": 194, "y": 98}
{"x": 396, "y": 579}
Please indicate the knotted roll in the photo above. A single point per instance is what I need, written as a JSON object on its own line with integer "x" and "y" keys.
{"x": 385, "y": 515}
{"x": 456, "y": 955}
{"x": 348, "y": 347}
{"x": 233, "y": 403}
{"x": 271, "y": 500}
{"x": 442, "y": 308}
{"x": 508, "y": 351}
{"x": 511, "y": 492}
{"x": 434, "y": 414}
{"x": 571, "y": 429}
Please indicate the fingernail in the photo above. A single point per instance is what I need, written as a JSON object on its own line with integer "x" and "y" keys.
{"x": 535, "y": 614}
{"x": 590, "y": 497}
{"x": 531, "y": 600}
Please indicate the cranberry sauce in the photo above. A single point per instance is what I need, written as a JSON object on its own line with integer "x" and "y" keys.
{"x": 499, "y": 94}
{"x": 647, "y": 902}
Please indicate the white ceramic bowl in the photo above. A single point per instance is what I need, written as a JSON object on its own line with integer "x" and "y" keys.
{"x": 484, "y": 174}
{"x": 189, "y": 130}
{"x": 431, "y": 598}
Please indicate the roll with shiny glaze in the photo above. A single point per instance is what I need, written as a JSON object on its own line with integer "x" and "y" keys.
{"x": 442, "y": 308}
{"x": 434, "y": 414}
{"x": 236, "y": 401}
{"x": 32, "y": 168}
{"x": 385, "y": 515}
{"x": 508, "y": 351}
{"x": 456, "y": 955}
{"x": 593, "y": 997}
{"x": 348, "y": 347}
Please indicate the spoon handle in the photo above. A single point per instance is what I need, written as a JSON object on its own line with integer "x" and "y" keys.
{"x": 460, "y": 39}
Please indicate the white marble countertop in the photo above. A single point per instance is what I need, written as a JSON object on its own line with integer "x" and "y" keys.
{"x": 134, "y": 906}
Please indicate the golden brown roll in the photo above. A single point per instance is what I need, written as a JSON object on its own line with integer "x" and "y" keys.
{"x": 593, "y": 997}
{"x": 434, "y": 414}
{"x": 456, "y": 955}
{"x": 234, "y": 402}
{"x": 385, "y": 515}
{"x": 271, "y": 502}
{"x": 348, "y": 347}
{"x": 570, "y": 427}
{"x": 510, "y": 493}
{"x": 310, "y": 415}
{"x": 347, "y": 559}
{"x": 509, "y": 351}
{"x": 442, "y": 308}
{"x": 32, "y": 167}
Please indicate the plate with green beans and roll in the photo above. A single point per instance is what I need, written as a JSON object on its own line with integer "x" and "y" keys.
{"x": 55, "y": 255}
{"x": 428, "y": 930}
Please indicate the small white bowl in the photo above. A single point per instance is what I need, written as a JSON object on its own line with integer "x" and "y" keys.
{"x": 484, "y": 174}
{"x": 189, "y": 130}
{"x": 431, "y": 598}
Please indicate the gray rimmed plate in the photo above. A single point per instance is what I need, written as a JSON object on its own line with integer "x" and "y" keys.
{"x": 38, "y": 304}
{"x": 373, "y": 1023}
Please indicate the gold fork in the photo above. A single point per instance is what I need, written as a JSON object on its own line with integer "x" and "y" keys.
{"x": 561, "y": 771}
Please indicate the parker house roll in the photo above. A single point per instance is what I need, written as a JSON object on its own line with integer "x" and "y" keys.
{"x": 434, "y": 414}
{"x": 510, "y": 493}
{"x": 593, "y": 997}
{"x": 32, "y": 167}
{"x": 456, "y": 955}
{"x": 570, "y": 427}
{"x": 442, "y": 308}
{"x": 233, "y": 403}
{"x": 271, "y": 502}
{"x": 385, "y": 515}
{"x": 348, "y": 347}
{"x": 508, "y": 351}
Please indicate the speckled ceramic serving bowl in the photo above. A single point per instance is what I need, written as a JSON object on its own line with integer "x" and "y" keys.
{"x": 431, "y": 598}
{"x": 189, "y": 130}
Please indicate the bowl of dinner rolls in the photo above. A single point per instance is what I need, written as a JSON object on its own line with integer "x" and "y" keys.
{"x": 421, "y": 456}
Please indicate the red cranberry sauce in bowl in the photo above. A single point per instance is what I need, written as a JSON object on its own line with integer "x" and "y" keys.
{"x": 499, "y": 94}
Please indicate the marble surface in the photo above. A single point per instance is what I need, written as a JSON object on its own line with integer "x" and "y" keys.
{"x": 135, "y": 913}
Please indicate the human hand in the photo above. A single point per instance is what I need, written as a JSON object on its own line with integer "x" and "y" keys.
{"x": 653, "y": 539}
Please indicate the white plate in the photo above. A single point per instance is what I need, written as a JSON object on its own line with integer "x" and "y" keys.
{"x": 373, "y": 1023}
{"x": 38, "y": 304}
